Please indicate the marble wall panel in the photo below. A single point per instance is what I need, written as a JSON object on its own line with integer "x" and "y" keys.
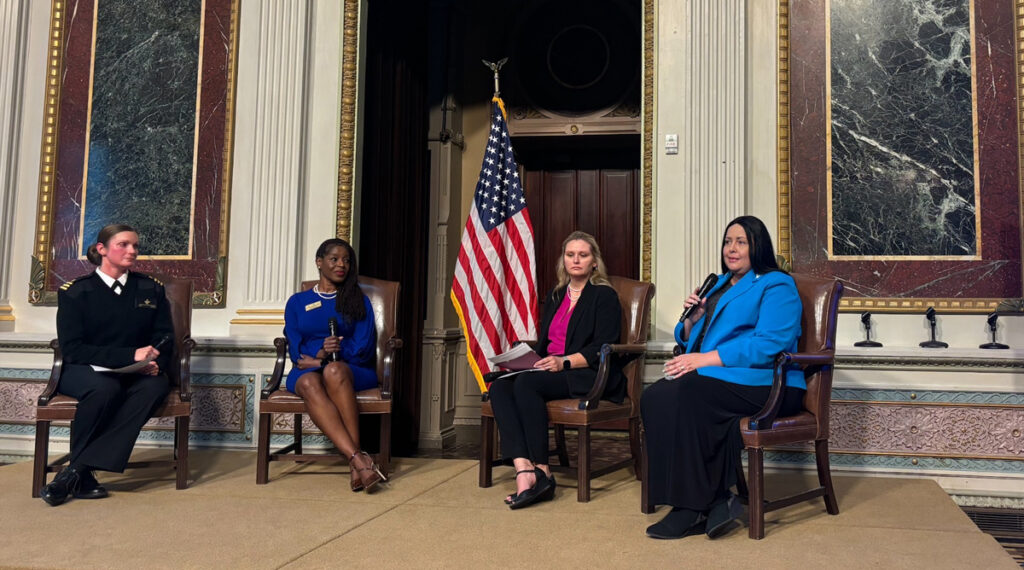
{"x": 157, "y": 66}
{"x": 987, "y": 275}
{"x": 902, "y": 136}
{"x": 141, "y": 135}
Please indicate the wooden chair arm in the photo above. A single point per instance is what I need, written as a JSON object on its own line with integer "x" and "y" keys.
{"x": 390, "y": 358}
{"x": 51, "y": 384}
{"x": 766, "y": 416}
{"x": 274, "y": 382}
{"x": 591, "y": 400}
{"x": 185, "y": 369}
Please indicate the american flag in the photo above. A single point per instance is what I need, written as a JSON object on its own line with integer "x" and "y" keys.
{"x": 494, "y": 290}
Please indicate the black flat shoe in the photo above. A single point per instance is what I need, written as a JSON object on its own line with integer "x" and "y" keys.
{"x": 678, "y": 523}
{"x": 723, "y": 515}
{"x": 62, "y": 486}
{"x": 542, "y": 490}
{"x": 89, "y": 487}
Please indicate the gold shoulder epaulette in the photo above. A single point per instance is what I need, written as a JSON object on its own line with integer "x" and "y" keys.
{"x": 68, "y": 284}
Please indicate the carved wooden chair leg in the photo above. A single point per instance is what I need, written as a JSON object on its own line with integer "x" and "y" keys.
{"x": 755, "y": 466}
{"x": 825, "y": 476}
{"x": 41, "y": 456}
{"x": 634, "y": 447}
{"x": 646, "y": 507}
{"x": 385, "y": 443}
{"x": 486, "y": 450}
{"x": 263, "y": 449}
{"x": 560, "y": 447}
{"x": 297, "y": 431}
{"x": 181, "y": 424}
{"x": 583, "y": 465}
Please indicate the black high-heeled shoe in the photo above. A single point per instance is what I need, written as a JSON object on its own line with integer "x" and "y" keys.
{"x": 542, "y": 490}
{"x": 511, "y": 498}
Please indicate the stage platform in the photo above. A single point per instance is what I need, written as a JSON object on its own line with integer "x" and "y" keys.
{"x": 433, "y": 515}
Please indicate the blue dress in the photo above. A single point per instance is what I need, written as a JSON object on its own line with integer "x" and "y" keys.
{"x": 305, "y": 325}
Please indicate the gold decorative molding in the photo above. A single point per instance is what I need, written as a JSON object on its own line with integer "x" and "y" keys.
{"x": 782, "y": 131}
{"x": 647, "y": 143}
{"x": 48, "y": 150}
{"x": 349, "y": 93}
{"x": 6, "y": 313}
{"x": 259, "y": 317}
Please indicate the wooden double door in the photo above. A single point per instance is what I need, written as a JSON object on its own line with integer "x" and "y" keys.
{"x": 603, "y": 202}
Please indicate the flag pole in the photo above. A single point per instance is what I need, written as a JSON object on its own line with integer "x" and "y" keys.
{"x": 494, "y": 286}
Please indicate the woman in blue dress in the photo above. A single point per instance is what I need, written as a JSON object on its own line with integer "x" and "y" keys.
{"x": 327, "y": 385}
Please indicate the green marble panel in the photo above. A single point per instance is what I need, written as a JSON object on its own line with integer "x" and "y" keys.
{"x": 143, "y": 122}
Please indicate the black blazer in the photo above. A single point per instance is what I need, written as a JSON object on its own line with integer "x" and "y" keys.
{"x": 596, "y": 320}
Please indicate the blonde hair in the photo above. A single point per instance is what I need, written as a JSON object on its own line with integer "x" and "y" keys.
{"x": 599, "y": 276}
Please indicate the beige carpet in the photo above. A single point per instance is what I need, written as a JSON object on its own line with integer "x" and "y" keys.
{"x": 433, "y": 515}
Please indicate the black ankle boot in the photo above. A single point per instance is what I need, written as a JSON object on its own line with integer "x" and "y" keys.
{"x": 678, "y": 523}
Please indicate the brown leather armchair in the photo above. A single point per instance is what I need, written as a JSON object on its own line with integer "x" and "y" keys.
{"x": 816, "y": 355}
{"x": 583, "y": 414}
{"x": 377, "y": 401}
{"x": 816, "y": 351}
{"x": 53, "y": 406}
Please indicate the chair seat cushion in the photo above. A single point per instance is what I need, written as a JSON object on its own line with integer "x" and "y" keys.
{"x": 283, "y": 401}
{"x": 62, "y": 407}
{"x": 567, "y": 411}
{"x": 790, "y": 429}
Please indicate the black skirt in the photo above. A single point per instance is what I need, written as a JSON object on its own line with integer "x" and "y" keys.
{"x": 693, "y": 436}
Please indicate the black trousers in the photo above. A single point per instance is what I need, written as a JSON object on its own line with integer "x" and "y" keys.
{"x": 112, "y": 408}
{"x": 520, "y": 409}
{"x": 693, "y": 436}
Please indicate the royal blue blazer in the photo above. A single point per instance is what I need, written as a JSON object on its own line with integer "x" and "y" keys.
{"x": 756, "y": 319}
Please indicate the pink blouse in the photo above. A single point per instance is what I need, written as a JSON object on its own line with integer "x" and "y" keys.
{"x": 559, "y": 326}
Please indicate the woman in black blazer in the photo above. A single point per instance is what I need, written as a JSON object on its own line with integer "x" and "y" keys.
{"x": 581, "y": 313}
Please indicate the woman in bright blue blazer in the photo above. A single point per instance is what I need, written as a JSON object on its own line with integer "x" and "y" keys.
{"x": 691, "y": 417}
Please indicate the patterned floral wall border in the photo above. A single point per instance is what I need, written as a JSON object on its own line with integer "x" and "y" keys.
{"x": 223, "y": 407}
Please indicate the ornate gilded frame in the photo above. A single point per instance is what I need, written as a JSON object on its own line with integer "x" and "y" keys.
{"x": 347, "y": 134}
{"x": 42, "y": 280}
{"x": 785, "y": 191}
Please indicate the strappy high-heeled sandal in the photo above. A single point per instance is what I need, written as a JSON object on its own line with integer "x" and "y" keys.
{"x": 357, "y": 482}
{"x": 369, "y": 475}
{"x": 512, "y": 498}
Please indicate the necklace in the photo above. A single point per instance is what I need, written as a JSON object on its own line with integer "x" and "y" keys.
{"x": 331, "y": 295}
{"x": 574, "y": 293}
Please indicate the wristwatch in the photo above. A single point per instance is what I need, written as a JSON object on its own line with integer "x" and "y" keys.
{"x": 566, "y": 364}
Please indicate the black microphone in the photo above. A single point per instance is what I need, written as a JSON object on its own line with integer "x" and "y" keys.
{"x": 865, "y": 319}
{"x": 332, "y": 329}
{"x": 930, "y": 315}
{"x": 992, "y": 320}
{"x": 704, "y": 288}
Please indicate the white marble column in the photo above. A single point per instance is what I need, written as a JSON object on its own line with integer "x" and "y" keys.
{"x": 13, "y": 34}
{"x": 701, "y": 67}
{"x": 271, "y": 169}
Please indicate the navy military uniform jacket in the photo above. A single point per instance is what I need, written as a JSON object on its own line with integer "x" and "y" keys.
{"x": 95, "y": 325}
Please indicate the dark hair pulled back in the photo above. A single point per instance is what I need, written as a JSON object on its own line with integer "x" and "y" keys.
{"x": 108, "y": 231}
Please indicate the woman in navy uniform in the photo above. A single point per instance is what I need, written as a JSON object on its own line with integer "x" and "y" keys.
{"x": 109, "y": 319}
{"x": 329, "y": 386}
